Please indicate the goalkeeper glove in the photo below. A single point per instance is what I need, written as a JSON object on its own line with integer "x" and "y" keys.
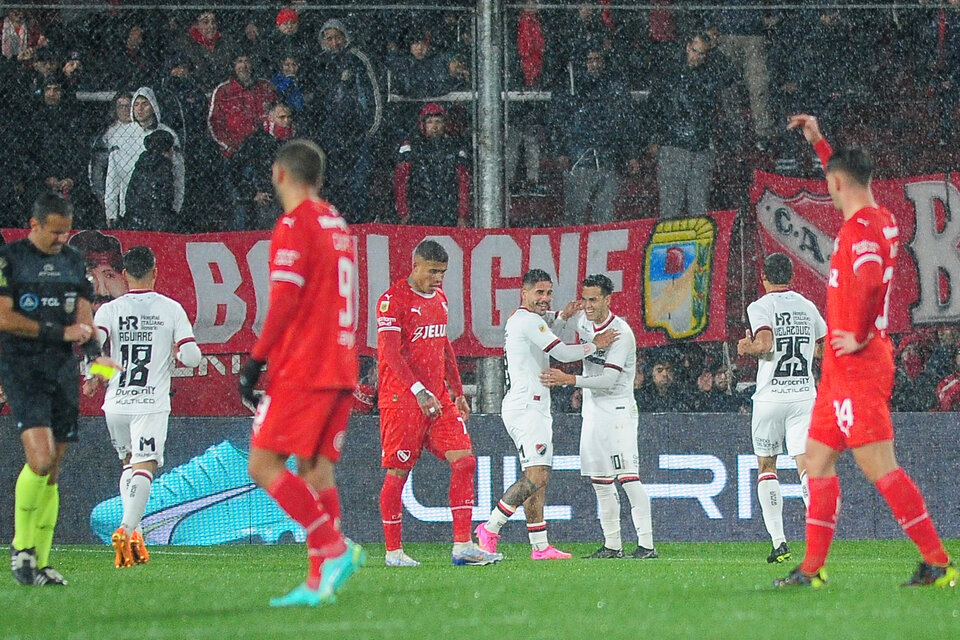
{"x": 249, "y": 376}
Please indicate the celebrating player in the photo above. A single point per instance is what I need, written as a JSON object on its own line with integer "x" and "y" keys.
{"x": 44, "y": 310}
{"x": 416, "y": 365}
{"x": 144, "y": 330}
{"x": 308, "y": 340}
{"x": 608, "y": 438}
{"x": 852, "y": 407}
{"x": 784, "y": 330}
{"x": 528, "y": 346}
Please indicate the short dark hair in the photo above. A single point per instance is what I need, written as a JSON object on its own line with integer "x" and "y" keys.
{"x": 305, "y": 161}
{"x": 853, "y": 161}
{"x": 599, "y": 280}
{"x": 98, "y": 248}
{"x": 778, "y": 268}
{"x": 534, "y": 276}
{"x": 50, "y": 203}
{"x": 139, "y": 262}
{"x": 432, "y": 251}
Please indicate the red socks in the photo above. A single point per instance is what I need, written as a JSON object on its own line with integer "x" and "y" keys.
{"x": 821, "y": 521}
{"x": 461, "y": 496}
{"x": 391, "y": 510}
{"x": 323, "y": 539}
{"x": 329, "y": 501}
{"x": 908, "y": 508}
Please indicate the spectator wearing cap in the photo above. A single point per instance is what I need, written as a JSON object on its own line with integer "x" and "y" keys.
{"x": 150, "y": 191}
{"x": 431, "y": 180}
{"x": 344, "y": 116}
{"x": 287, "y": 39}
{"x": 209, "y": 51}
{"x": 75, "y": 77}
{"x": 146, "y": 115}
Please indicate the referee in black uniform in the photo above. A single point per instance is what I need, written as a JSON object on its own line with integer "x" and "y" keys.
{"x": 44, "y": 311}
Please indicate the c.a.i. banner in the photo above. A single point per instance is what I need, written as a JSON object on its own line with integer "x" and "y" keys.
{"x": 670, "y": 280}
{"x": 797, "y": 217}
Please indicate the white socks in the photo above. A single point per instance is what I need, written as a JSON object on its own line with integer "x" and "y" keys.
{"x": 771, "y": 505}
{"x": 135, "y": 500}
{"x": 639, "y": 511}
{"x": 608, "y": 507}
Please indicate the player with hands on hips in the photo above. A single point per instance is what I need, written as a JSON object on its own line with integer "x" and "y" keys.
{"x": 852, "y": 409}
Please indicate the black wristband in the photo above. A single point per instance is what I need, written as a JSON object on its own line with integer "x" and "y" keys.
{"x": 91, "y": 349}
{"x": 51, "y": 332}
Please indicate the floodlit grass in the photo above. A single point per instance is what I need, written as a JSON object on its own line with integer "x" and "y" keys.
{"x": 699, "y": 590}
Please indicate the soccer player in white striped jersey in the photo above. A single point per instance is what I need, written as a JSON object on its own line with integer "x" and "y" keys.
{"x": 529, "y": 343}
{"x": 144, "y": 330}
{"x": 608, "y": 438}
{"x": 784, "y": 331}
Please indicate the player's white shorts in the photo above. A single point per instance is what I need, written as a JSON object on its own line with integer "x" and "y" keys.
{"x": 532, "y": 434}
{"x": 142, "y": 436}
{"x": 608, "y": 442}
{"x": 775, "y": 422}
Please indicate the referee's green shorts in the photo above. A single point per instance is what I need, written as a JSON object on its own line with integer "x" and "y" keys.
{"x": 44, "y": 393}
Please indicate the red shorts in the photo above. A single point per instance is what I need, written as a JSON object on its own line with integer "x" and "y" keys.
{"x": 303, "y": 423}
{"x": 852, "y": 413}
{"x": 404, "y": 433}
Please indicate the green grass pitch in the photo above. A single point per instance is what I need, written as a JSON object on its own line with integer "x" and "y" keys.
{"x": 702, "y": 590}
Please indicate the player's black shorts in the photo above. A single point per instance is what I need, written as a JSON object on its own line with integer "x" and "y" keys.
{"x": 43, "y": 392}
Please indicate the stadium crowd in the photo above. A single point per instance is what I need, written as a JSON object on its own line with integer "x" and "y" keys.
{"x": 607, "y": 107}
{"x": 612, "y": 115}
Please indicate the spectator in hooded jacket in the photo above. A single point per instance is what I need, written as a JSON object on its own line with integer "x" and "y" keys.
{"x": 344, "y": 116}
{"x": 431, "y": 180}
{"x": 55, "y": 146}
{"x": 145, "y": 113}
{"x": 150, "y": 191}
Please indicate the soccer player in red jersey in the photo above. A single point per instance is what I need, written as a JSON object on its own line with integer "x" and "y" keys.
{"x": 308, "y": 340}
{"x": 417, "y": 373}
{"x": 852, "y": 409}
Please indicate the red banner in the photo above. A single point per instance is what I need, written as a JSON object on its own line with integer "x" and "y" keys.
{"x": 669, "y": 276}
{"x": 797, "y": 217}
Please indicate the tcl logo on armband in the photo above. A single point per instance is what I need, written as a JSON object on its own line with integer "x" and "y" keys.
{"x": 386, "y": 322}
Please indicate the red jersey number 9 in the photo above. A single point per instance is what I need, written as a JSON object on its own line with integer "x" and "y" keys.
{"x": 345, "y": 287}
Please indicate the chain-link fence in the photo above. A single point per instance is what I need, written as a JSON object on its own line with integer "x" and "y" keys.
{"x": 167, "y": 118}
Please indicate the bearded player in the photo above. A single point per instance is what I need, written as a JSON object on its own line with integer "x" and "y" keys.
{"x": 418, "y": 372}
{"x": 308, "y": 340}
{"x": 852, "y": 409}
